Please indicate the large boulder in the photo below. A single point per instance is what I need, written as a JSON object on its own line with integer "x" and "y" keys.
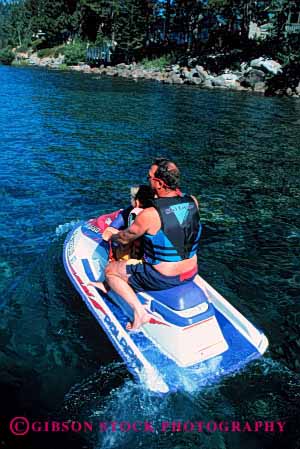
{"x": 196, "y": 81}
{"x": 252, "y": 77}
{"x": 260, "y": 87}
{"x": 122, "y": 66}
{"x": 175, "y": 78}
{"x": 226, "y": 80}
{"x": 244, "y": 67}
{"x": 158, "y": 76}
{"x": 202, "y": 73}
{"x": 175, "y": 68}
{"x": 187, "y": 74}
{"x": 267, "y": 65}
{"x": 138, "y": 73}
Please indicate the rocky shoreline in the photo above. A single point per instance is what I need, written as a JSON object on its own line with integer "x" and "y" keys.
{"x": 251, "y": 76}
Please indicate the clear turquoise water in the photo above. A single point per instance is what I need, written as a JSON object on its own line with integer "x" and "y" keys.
{"x": 72, "y": 145}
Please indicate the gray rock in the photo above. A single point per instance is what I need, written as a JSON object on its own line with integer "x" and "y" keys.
{"x": 244, "y": 67}
{"x": 241, "y": 88}
{"x": 175, "y": 68}
{"x": 158, "y": 77}
{"x": 122, "y": 66}
{"x": 187, "y": 74}
{"x": 111, "y": 72}
{"x": 196, "y": 81}
{"x": 252, "y": 77}
{"x": 226, "y": 80}
{"x": 148, "y": 75}
{"x": 268, "y": 65}
{"x": 201, "y": 72}
{"x": 297, "y": 90}
{"x": 175, "y": 79}
{"x": 207, "y": 83}
{"x": 138, "y": 73}
{"x": 259, "y": 87}
{"x": 289, "y": 92}
{"x": 124, "y": 73}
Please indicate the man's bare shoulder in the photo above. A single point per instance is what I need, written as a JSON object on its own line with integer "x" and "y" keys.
{"x": 149, "y": 220}
{"x": 148, "y": 213}
{"x": 195, "y": 199}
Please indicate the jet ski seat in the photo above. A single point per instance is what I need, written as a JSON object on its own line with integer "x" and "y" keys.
{"x": 182, "y": 297}
{"x": 183, "y": 305}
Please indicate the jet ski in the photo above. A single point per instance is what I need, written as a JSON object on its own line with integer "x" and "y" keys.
{"x": 195, "y": 336}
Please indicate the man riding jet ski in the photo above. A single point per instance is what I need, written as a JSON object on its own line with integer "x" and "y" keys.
{"x": 189, "y": 335}
{"x": 170, "y": 231}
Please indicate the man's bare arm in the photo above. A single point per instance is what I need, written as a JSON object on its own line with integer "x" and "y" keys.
{"x": 138, "y": 228}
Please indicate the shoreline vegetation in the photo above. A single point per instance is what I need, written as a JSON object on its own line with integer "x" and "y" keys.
{"x": 258, "y": 75}
{"x": 244, "y": 45}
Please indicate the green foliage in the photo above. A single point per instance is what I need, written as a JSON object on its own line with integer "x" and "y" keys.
{"x": 52, "y": 52}
{"x": 75, "y": 53}
{"x": 157, "y": 63}
{"x": 59, "y": 50}
{"x": 131, "y": 28}
{"x": 102, "y": 40}
{"x": 63, "y": 67}
{"x": 36, "y": 44}
{"x": 23, "y": 48}
{"x": 20, "y": 63}
{"x": 142, "y": 28}
{"x": 45, "y": 53}
{"x": 6, "y": 56}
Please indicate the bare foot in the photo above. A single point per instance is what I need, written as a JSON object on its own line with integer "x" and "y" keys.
{"x": 98, "y": 285}
{"x": 138, "y": 321}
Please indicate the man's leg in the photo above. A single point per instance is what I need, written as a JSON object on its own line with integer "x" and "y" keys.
{"x": 100, "y": 285}
{"x": 117, "y": 279}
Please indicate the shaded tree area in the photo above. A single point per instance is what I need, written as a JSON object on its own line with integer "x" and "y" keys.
{"x": 150, "y": 28}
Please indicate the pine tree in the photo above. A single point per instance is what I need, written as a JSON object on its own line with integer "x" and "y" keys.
{"x": 131, "y": 28}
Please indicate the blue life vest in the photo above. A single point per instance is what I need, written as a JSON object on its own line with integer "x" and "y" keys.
{"x": 178, "y": 238}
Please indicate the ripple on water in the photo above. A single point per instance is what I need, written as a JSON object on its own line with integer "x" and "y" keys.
{"x": 73, "y": 155}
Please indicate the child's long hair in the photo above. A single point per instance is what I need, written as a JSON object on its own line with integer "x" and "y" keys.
{"x": 144, "y": 194}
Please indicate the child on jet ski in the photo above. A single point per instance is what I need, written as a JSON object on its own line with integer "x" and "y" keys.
{"x": 141, "y": 198}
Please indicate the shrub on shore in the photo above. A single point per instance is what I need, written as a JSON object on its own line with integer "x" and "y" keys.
{"x": 289, "y": 78}
{"x": 51, "y": 52}
{"x": 63, "y": 67}
{"x": 75, "y": 53}
{"x": 157, "y": 63}
{"x": 20, "y": 63}
{"x": 6, "y": 56}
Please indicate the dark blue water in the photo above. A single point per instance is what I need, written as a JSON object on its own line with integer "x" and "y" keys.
{"x": 72, "y": 145}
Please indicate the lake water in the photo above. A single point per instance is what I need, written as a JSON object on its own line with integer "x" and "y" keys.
{"x": 72, "y": 145}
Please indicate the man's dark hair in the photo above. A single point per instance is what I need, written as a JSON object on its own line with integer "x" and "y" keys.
{"x": 167, "y": 172}
{"x": 145, "y": 195}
